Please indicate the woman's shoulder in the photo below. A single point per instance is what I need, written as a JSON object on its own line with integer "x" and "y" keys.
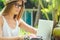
{"x": 20, "y": 20}
{"x": 1, "y": 21}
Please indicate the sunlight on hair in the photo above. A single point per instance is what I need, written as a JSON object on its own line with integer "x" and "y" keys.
{"x": 2, "y": 10}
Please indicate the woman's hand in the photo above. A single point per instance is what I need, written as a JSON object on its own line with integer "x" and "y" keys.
{"x": 21, "y": 38}
{"x": 27, "y": 36}
{"x": 32, "y": 36}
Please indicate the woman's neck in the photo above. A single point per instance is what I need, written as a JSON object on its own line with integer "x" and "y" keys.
{"x": 10, "y": 16}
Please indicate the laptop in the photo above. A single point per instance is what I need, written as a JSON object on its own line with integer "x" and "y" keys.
{"x": 45, "y": 29}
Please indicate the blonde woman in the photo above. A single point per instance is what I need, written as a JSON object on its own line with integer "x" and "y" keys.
{"x": 10, "y": 21}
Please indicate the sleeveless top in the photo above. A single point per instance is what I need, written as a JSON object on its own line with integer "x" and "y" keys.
{"x": 7, "y": 31}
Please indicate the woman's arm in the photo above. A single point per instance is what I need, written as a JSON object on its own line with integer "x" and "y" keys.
{"x": 27, "y": 27}
{"x": 11, "y": 38}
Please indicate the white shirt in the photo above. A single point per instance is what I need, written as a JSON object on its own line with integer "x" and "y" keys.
{"x": 7, "y": 31}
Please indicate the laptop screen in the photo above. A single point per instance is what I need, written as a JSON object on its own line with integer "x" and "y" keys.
{"x": 45, "y": 29}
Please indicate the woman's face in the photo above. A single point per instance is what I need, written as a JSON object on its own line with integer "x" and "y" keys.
{"x": 17, "y": 7}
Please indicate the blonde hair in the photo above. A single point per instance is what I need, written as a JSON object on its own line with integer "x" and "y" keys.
{"x": 8, "y": 7}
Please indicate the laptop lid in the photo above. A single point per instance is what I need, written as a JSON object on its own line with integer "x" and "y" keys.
{"x": 45, "y": 29}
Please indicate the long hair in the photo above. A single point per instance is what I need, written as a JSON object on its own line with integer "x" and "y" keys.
{"x": 21, "y": 11}
{"x": 8, "y": 7}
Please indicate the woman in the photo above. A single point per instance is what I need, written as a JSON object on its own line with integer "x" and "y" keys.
{"x": 11, "y": 21}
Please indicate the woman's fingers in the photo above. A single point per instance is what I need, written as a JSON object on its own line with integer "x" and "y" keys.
{"x": 32, "y": 36}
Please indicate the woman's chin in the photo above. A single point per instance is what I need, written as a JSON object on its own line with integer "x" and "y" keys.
{"x": 16, "y": 13}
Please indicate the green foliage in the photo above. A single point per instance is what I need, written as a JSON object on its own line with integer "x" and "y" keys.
{"x": 2, "y": 0}
{"x": 22, "y": 32}
{"x": 53, "y": 7}
{"x": 35, "y": 2}
{"x": 1, "y": 5}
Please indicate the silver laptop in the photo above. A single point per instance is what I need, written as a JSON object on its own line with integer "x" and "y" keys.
{"x": 45, "y": 29}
